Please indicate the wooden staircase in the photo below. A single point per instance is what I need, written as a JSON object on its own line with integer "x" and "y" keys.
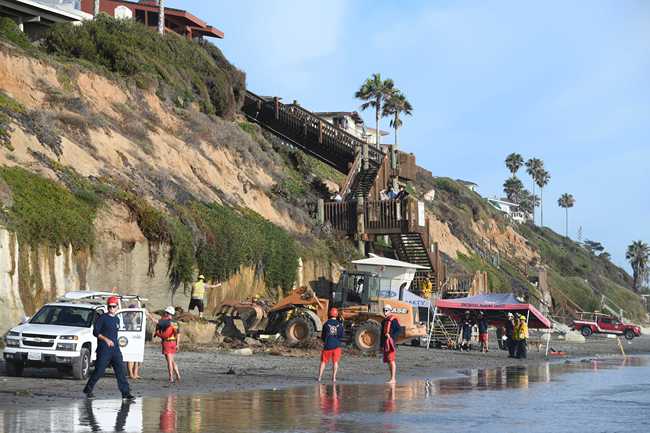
{"x": 307, "y": 131}
{"x": 410, "y": 247}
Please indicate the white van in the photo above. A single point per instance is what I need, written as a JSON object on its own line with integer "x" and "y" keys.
{"x": 60, "y": 334}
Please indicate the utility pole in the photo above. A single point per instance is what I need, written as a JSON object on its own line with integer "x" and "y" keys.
{"x": 96, "y": 8}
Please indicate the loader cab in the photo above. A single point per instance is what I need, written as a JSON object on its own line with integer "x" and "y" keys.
{"x": 356, "y": 288}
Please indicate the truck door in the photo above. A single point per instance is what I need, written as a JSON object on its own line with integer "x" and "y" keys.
{"x": 131, "y": 334}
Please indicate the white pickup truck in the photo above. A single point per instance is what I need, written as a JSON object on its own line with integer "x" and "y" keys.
{"x": 60, "y": 334}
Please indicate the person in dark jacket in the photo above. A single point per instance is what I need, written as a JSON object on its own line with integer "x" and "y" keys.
{"x": 390, "y": 330}
{"x": 108, "y": 351}
{"x": 332, "y": 334}
{"x": 466, "y": 332}
{"x": 510, "y": 332}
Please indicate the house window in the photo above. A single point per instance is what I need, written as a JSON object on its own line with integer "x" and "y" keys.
{"x": 152, "y": 19}
{"x": 139, "y": 15}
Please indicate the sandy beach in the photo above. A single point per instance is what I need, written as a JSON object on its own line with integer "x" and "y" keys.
{"x": 208, "y": 369}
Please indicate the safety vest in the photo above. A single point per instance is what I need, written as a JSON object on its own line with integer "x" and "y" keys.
{"x": 198, "y": 290}
{"x": 521, "y": 331}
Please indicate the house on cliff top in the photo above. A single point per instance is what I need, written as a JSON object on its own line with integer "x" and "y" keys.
{"x": 146, "y": 12}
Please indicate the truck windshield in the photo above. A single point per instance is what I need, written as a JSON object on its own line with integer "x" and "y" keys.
{"x": 64, "y": 316}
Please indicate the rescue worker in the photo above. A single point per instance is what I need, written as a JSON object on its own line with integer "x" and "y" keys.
{"x": 521, "y": 337}
{"x": 483, "y": 332}
{"x": 390, "y": 329}
{"x": 108, "y": 351}
{"x": 510, "y": 332}
{"x": 198, "y": 293}
{"x": 332, "y": 334}
{"x": 167, "y": 331}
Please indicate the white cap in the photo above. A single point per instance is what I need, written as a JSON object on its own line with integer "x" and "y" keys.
{"x": 387, "y": 307}
{"x": 170, "y": 310}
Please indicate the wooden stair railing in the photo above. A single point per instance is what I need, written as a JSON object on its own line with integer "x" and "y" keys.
{"x": 335, "y": 146}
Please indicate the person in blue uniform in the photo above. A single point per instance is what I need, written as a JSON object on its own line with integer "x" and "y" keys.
{"x": 108, "y": 351}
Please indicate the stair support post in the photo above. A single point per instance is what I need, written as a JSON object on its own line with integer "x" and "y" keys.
{"x": 320, "y": 216}
{"x": 361, "y": 230}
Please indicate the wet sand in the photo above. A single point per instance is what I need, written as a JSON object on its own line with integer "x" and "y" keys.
{"x": 209, "y": 370}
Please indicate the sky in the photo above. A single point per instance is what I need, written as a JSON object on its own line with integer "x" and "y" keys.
{"x": 564, "y": 81}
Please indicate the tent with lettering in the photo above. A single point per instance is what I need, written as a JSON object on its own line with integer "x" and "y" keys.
{"x": 495, "y": 307}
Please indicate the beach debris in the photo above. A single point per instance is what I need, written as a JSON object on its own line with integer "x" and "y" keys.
{"x": 246, "y": 351}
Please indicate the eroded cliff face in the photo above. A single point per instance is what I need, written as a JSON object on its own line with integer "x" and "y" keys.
{"x": 121, "y": 258}
{"x": 106, "y": 128}
{"x": 109, "y": 129}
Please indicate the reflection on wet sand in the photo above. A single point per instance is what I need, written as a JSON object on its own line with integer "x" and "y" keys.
{"x": 322, "y": 408}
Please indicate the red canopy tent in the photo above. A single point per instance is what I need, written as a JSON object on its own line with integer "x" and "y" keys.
{"x": 495, "y": 306}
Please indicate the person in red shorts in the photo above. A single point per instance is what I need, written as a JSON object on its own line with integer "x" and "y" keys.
{"x": 331, "y": 336}
{"x": 483, "y": 332}
{"x": 167, "y": 331}
{"x": 390, "y": 328}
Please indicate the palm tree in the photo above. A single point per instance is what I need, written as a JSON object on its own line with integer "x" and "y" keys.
{"x": 395, "y": 105}
{"x": 161, "y": 17}
{"x": 542, "y": 177}
{"x": 528, "y": 202}
{"x": 532, "y": 166}
{"x": 566, "y": 201}
{"x": 638, "y": 254}
{"x": 96, "y": 8}
{"x": 374, "y": 91}
{"x": 513, "y": 189}
{"x": 514, "y": 161}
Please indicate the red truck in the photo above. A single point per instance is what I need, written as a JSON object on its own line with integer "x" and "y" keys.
{"x": 602, "y": 324}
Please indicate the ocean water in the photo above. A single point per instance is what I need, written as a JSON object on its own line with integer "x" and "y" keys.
{"x": 609, "y": 395}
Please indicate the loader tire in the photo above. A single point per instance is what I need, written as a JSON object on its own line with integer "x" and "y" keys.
{"x": 298, "y": 329}
{"x": 366, "y": 337}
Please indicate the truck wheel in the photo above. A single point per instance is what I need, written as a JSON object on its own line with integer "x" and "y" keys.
{"x": 366, "y": 337}
{"x": 586, "y": 331}
{"x": 15, "y": 369}
{"x": 81, "y": 365}
{"x": 298, "y": 329}
{"x": 629, "y": 334}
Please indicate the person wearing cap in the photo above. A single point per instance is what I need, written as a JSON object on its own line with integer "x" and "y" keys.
{"x": 167, "y": 331}
{"x": 483, "y": 332}
{"x": 521, "y": 337}
{"x": 331, "y": 335}
{"x": 198, "y": 293}
{"x": 108, "y": 351}
{"x": 390, "y": 329}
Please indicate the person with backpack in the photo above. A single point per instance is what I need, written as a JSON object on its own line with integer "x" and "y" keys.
{"x": 390, "y": 329}
{"x": 331, "y": 335}
{"x": 167, "y": 330}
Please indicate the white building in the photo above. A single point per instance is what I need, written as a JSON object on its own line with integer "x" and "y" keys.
{"x": 510, "y": 209}
{"x": 352, "y": 123}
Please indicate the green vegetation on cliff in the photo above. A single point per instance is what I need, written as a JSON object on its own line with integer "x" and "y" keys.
{"x": 575, "y": 275}
{"x": 184, "y": 71}
{"x": 45, "y": 212}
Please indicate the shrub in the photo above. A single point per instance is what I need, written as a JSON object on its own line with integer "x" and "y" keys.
{"x": 9, "y": 31}
{"x": 45, "y": 212}
{"x": 236, "y": 238}
{"x": 186, "y": 71}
